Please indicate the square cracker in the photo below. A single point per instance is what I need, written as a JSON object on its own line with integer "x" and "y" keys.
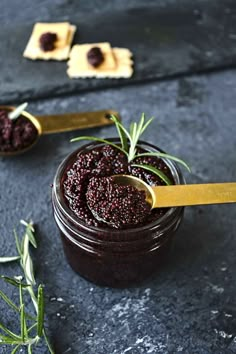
{"x": 65, "y": 33}
{"x": 123, "y": 68}
{"x": 123, "y": 55}
{"x": 78, "y": 56}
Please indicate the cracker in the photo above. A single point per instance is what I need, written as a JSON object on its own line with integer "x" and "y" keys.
{"x": 65, "y": 33}
{"x": 122, "y": 69}
{"x": 123, "y": 55}
{"x": 79, "y": 52}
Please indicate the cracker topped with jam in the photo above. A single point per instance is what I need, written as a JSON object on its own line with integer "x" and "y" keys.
{"x": 99, "y": 60}
{"x": 50, "y": 41}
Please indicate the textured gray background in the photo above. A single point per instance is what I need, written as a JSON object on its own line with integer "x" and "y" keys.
{"x": 190, "y": 306}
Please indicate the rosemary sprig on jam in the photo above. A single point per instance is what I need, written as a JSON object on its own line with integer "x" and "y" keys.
{"x": 128, "y": 145}
{"x": 31, "y": 326}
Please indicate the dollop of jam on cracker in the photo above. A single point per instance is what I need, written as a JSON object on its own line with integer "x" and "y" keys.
{"x": 47, "y": 41}
{"x": 95, "y": 57}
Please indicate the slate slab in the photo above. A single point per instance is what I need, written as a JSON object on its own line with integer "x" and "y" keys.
{"x": 183, "y": 37}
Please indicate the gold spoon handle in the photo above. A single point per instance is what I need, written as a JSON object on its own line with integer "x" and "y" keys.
{"x": 71, "y": 121}
{"x": 194, "y": 194}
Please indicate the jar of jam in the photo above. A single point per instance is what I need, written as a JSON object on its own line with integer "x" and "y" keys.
{"x": 109, "y": 256}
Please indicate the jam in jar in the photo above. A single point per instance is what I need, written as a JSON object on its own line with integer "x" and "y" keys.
{"x": 111, "y": 255}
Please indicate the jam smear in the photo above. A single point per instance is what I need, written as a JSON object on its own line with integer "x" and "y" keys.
{"x": 119, "y": 206}
{"x": 47, "y": 41}
{"x": 82, "y": 180}
{"x": 95, "y": 57}
{"x": 16, "y": 134}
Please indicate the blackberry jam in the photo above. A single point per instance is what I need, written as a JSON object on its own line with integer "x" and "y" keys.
{"x": 95, "y": 57}
{"x": 16, "y": 135}
{"x": 118, "y": 206}
{"x": 116, "y": 257}
{"x": 47, "y": 41}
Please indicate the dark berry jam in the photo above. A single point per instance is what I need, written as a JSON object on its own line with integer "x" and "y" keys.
{"x": 116, "y": 205}
{"x": 87, "y": 187}
{"x": 95, "y": 57}
{"x": 16, "y": 134}
{"x": 47, "y": 41}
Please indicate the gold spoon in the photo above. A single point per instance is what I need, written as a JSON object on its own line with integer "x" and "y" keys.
{"x": 58, "y": 123}
{"x": 182, "y": 195}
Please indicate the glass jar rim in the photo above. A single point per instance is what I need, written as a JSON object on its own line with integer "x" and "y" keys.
{"x": 60, "y": 200}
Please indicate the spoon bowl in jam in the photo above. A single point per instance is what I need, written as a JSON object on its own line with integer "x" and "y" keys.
{"x": 181, "y": 195}
{"x": 19, "y": 135}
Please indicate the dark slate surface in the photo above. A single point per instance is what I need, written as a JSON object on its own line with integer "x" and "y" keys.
{"x": 181, "y": 37}
{"x": 190, "y": 306}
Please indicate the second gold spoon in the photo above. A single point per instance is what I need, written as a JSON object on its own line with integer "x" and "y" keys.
{"x": 58, "y": 123}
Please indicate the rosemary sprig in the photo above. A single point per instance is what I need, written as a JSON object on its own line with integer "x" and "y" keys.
{"x": 128, "y": 145}
{"x": 31, "y": 327}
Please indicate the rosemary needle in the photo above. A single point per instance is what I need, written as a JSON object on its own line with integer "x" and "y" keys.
{"x": 17, "y": 111}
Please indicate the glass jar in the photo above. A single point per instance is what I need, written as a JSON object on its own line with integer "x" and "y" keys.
{"x": 111, "y": 257}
